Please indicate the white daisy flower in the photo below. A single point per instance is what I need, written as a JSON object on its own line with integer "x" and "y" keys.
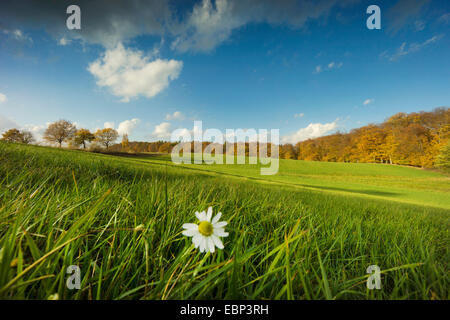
{"x": 205, "y": 235}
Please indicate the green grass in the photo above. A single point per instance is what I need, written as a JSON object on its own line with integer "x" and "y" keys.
{"x": 389, "y": 182}
{"x": 290, "y": 237}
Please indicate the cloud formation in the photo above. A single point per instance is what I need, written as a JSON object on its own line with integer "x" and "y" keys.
{"x": 330, "y": 66}
{"x": 104, "y": 22}
{"x": 403, "y": 12}
{"x": 129, "y": 74}
{"x": 406, "y": 49}
{"x": 313, "y": 130}
{"x": 127, "y": 126}
{"x": 64, "y": 41}
{"x": 162, "y": 131}
{"x": 199, "y": 28}
{"x": 445, "y": 18}
{"x": 3, "y": 98}
{"x": 368, "y": 101}
{"x": 36, "y": 130}
{"x": 210, "y": 24}
{"x": 17, "y": 35}
{"x": 108, "y": 125}
{"x": 177, "y": 115}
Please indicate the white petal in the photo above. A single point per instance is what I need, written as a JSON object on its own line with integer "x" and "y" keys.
{"x": 201, "y": 216}
{"x": 190, "y": 232}
{"x": 209, "y": 214}
{"x": 196, "y": 240}
{"x": 216, "y": 218}
{"x": 210, "y": 244}
{"x": 220, "y": 232}
{"x": 202, "y": 244}
{"x": 220, "y": 224}
{"x": 190, "y": 226}
{"x": 217, "y": 241}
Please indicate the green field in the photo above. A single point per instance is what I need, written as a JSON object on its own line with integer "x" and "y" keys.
{"x": 390, "y": 182}
{"x": 309, "y": 232}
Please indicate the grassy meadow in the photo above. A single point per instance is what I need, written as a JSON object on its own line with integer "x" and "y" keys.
{"x": 309, "y": 232}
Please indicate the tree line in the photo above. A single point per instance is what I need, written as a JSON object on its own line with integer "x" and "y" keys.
{"x": 419, "y": 139}
{"x": 63, "y": 131}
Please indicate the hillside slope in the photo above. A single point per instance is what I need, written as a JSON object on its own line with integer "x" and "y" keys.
{"x": 120, "y": 221}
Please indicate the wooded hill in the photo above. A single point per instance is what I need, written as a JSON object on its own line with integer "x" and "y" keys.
{"x": 414, "y": 139}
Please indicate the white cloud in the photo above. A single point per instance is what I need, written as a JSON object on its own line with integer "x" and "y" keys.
{"x": 313, "y": 130}
{"x": 177, "y": 115}
{"x": 127, "y": 126}
{"x": 299, "y": 115}
{"x": 368, "y": 101}
{"x": 246, "y": 135}
{"x": 207, "y": 26}
{"x": 445, "y": 18}
{"x": 3, "y": 98}
{"x": 404, "y": 49}
{"x": 130, "y": 74}
{"x": 330, "y": 66}
{"x": 17, "y": 35}
{"x": 108, "y": 124}
{"x": 212, "y": 23}
{"x": 162, "y": 131}
{"x": 318, "y": 69}
{"x": 64, "y": 41}
{"x": 36, "y": 130}
{"x": 197, "y": 26}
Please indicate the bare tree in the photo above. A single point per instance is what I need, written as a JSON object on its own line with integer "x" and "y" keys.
{"x": 59, "y": 132}
{"x": 27, "y": 137}
{"x": 106, "y": 136}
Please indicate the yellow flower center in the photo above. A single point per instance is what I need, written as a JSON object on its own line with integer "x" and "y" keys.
{"x": 205, "y": 228}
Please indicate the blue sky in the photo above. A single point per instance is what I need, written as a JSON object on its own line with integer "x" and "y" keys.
{"x": 308, "y": 68}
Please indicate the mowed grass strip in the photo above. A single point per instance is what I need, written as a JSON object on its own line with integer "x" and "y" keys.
{"x": 60, "y": 208}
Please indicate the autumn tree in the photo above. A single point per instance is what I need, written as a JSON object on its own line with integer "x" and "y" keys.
{"x": 12, "y": 135}
{"x": 165, "y": 147}
{"x": 82, "y": 136}
{"x": 369, "y": 144}
{"x": 106, "y": 136}
{"x": 409, "y": 139}
{"x": 287, "y": 151}
{"x": 15, "y": 135}
{"x": 443, "y": 159}
{"x": 125, "y": 142}
{"x": 59, "y": 132}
